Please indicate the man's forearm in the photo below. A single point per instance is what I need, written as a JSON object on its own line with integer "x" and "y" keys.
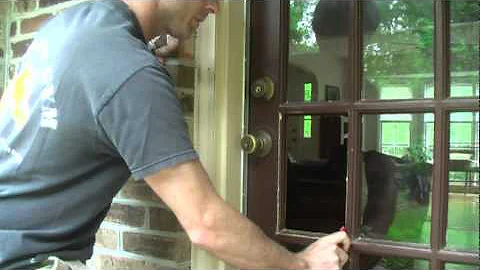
{"x": 215, "y": 226}
{"x": 236, "y": 240}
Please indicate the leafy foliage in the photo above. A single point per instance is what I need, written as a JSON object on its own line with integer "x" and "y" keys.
{"x": 404, "y": 40}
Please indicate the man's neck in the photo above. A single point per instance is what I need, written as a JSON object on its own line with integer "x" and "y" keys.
{"x": 147, "y": 13}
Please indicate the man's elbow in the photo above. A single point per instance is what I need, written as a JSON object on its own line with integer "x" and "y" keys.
{"x": 202, "y": 238}
{"x": 207, "y": 232}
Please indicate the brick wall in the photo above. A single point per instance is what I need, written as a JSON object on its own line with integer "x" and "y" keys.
{"x": 140, "y": 232}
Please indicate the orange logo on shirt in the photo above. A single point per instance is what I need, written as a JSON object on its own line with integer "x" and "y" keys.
{"x": 16, "y": 98}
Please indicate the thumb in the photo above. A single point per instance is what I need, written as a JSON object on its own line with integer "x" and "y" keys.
{"x": 339, "y": 238}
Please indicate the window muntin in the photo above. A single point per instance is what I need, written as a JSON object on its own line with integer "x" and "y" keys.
{"x": 392, "y": 263}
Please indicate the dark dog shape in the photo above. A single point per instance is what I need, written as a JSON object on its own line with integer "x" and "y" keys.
{"x": 385, "y": 176}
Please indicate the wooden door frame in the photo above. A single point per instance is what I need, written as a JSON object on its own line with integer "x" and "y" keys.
{"x": 262, "y": 195}
{"x": 219, "y": 116}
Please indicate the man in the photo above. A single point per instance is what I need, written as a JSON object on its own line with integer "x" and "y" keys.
{"x": 90, "y": 106}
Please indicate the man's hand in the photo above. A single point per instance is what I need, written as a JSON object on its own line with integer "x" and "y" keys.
{"x": 329, "y": 252}
{"x": 168, "y": 50}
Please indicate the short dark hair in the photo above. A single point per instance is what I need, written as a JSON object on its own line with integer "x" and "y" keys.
{"x": 330, "y": 17}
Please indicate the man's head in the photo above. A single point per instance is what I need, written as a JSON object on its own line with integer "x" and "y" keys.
{"x": 186, "y": 15}
{"x": 331, "y": 23}
{"x": 178, "y": 18}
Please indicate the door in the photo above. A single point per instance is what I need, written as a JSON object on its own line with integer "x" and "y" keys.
{"x": 361, "y": 108}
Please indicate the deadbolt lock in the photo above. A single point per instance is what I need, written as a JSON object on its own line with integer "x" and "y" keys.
{"x": 257, "y": 144}
{"x": 263, "y": 88}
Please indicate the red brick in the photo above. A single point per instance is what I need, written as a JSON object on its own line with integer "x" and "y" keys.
{"x": 187, "y": 102}
{"x": 164, "y": 220}
{"x": 107, "y": 238}
{"x": 47, "y": 3}
{"x": 138, "y": 190}
{"x": 186, "y": 50}
{"x": 184, "y": 76}
{"x": 20, "y": 48}
{"x": 25, "y": 5}
{"x": 109, "y": 262}
{"x": 126, "y": 215}
{"x": 158, "y": 246}
{"x": 11, "y": 71}
{"x": 32, "y": 24}
{"x": 13, "y": 29}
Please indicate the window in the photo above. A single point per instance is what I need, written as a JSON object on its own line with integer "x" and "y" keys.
{"x": 405, "y": 71}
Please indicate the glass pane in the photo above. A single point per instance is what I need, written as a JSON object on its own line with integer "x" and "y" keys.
{"x": 398, "y": 49}
{"x": 397, "y": 165}
{"x": 455, "y": 266}
{"x": 368, "y": 262}
{"x": 316, "y": 171}
{"x": 463, "y": 167}
{"x": 464, "y": 46}
{"x": 318, "y": 41}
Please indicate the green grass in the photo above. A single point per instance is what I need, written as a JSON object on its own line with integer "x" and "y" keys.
{"x": 409, "y": 222}
{"x": 463, "y": 223}
{"x": 412, "y": 224}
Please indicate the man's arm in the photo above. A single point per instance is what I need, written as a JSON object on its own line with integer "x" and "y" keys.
{"x": 214, "y": 226}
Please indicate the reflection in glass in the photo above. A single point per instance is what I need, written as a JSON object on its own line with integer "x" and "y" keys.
{"x": 398, "y": 55}
{"x": 397, "y": 159}
{"x": 464, "y": 46}
{"x": 316, "y": 171}
{"x": 392, "y": 263}
{"x": 464, "y": 188}
{"x": 454, "y": 266}
{"x": 318, "y": 54}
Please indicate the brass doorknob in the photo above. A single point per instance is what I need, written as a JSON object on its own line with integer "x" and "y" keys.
{"x": 258, "y": 144}
{"x": 263, "y": 88}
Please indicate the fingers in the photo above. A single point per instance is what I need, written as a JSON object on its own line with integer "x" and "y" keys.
{"x": 342, "y": 256}
{"x": 324, "y": 256}
{"x": 340, "y": 238}
{"x": 168, "y": 49}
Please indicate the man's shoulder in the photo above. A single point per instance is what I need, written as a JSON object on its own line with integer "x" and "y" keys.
{"x": 93, "y": 47}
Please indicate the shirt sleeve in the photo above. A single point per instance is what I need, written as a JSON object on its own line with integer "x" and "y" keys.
{"x": 145, "y": 124}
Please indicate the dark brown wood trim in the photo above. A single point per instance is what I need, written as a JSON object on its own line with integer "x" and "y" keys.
{"x": 385, "y": 248}
{"x": 298, "y": 108}
{"x": 440, "y": 183}
{"x": 381, "y": 106}
{"x": 355, "y": 178}
{"x": 396, "y": 106}
{"x": 354, "y": 142}
{"x": 394, "y": 250}
{"x": 459, "y": 257}
{"x": 356, "y": 52}
{"x": 264, "y": 61}
{"x": 442, "y": 130}
{"x": 458, "y": 104}
{"x": 282, "y": 173}
{"x": 442, "y": 49}
{"x": 281, "y": 181}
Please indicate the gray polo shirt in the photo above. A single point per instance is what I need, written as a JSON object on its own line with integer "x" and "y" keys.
{"x": 89, "y": 106}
